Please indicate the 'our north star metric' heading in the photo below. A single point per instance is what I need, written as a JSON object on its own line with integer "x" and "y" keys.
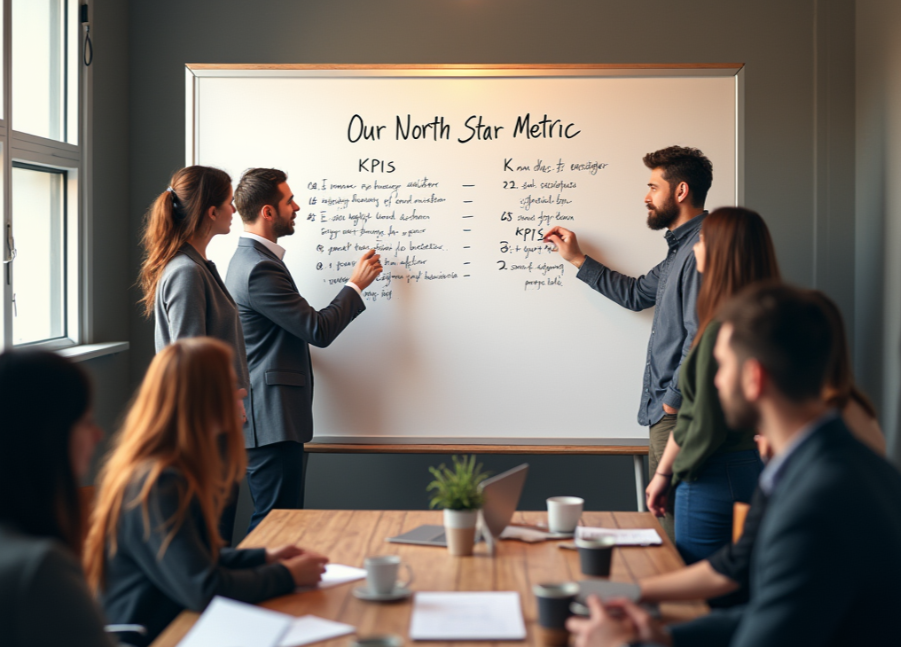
{"x": 473, "y": 129}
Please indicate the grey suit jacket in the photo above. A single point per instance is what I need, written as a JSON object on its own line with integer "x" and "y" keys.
{"x": 44, "y": 601}
{"x": 144, "y": 588}
{"x": 279, "y": 326}
{"x": 192, "y": 301}
{"x": 826, "y": 564}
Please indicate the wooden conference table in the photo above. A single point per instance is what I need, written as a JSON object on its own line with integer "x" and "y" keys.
{"x": 348, "y": 536}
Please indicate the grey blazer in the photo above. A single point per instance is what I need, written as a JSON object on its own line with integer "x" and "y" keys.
{"x": 142, "y": 587}
{"x": 825, "y": 565}
{"x": 279, "y": 326}
{"x": 192, "y": 301}
{"x": 44, "y": 601}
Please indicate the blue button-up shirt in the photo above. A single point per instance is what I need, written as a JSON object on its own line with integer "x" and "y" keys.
{"x": 673, "y": 287}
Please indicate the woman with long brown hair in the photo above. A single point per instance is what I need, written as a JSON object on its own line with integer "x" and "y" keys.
{"x": 842, "y": 391}
{"x": 154, "y": 547}
{"x": 710, "y": 465}
{"x": 181, "y": 288}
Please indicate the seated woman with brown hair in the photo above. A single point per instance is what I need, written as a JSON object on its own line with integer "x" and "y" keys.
{"x": 154, "y": 547}
{"x": 48, "y": 437}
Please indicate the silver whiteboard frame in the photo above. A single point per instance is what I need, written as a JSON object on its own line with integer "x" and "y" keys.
{"x": 195, "y": 72}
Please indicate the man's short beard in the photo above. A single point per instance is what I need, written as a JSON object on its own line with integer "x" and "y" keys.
{"x": 739, "y": 412}
{"x": 664, "y": 216}
{"x": 281, "y": 229}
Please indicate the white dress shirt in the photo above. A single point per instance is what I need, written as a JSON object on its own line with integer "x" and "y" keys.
{"x": 279, "y": 251}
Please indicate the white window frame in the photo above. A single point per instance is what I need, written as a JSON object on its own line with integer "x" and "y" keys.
{"x": 74, "y": 159}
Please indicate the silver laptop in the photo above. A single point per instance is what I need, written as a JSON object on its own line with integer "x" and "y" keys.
{"x": 502, "y": 494}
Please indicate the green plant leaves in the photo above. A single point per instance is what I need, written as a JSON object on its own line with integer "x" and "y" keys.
{"x": 457, "y": 489}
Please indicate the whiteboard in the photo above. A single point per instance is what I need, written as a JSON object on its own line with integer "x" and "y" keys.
{"x": 476, "y": 332}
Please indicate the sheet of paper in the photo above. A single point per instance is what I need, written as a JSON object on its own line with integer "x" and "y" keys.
{"x": 467, "y": 616}
{"x": 311, "y": 629}
{"x": 334, "y": 575}
{"x": 236, "y": 624}
{"x": 623, "y": 536}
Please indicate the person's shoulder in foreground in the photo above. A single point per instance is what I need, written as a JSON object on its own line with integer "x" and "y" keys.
{"x": 827, "y": 550}
{"x": 44, "y": 601}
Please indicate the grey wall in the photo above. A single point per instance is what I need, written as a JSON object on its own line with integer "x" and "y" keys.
{"x": 878, "y": 294}
{"x": 110, "y": 219}
{"x": 799, "y": 131}
{"x": 110, "y": 257}
{"x": 111, "y": 392}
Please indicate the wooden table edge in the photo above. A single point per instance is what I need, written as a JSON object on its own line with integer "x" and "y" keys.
{"x": 398, "y": 448}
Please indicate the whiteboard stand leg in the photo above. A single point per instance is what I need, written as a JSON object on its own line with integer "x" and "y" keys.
{"x": 639, "y": 481}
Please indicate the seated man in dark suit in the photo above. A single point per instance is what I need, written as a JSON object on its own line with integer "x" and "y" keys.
{"x": 279, "y": 327}
{"x": 826, "y": 563}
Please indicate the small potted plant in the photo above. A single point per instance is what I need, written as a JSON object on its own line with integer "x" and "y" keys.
{"x": 457, "y": 491}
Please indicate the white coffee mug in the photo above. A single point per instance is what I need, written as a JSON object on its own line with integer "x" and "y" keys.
{"x": 381, "y": 573}
{"x": 563, "y": 513}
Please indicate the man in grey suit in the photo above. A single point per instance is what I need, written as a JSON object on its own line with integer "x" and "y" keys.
{"x": 825, "y": 564}
{"x": 279, "y": 326}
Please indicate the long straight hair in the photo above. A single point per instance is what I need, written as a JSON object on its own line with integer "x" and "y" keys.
{"x": 840, "y": 385}
{"x": 738, "y": 252}
{"x": 174, "y": 217}
{"x": 40, "y": 491}
{"x": 184, "y": 417}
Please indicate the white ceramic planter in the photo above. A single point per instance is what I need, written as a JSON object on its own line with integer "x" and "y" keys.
{"x": 460, "y": 528}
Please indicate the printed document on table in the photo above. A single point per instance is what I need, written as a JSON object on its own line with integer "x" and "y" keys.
{"x": 623, "y": 536}
{"x": 311, "y": 629}
{"x": 334, "y": 575}
{"x": 236, "y": 624}
{"x": 467, "y": 616}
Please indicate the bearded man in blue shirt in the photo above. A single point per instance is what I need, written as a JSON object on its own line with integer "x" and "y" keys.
{"x": 677, "y": 189}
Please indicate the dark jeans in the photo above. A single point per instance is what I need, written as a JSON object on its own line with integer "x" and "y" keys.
{"x": 704, "y": 506}
{"x": 275, "y": 474}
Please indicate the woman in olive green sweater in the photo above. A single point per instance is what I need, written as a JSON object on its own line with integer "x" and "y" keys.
{"x": 709, "y": 465}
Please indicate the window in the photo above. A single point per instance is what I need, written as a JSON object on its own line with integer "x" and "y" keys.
{"x": 41, "y": 126}
{"x": 39, "y": 281}
{"x": 39, "y": 60}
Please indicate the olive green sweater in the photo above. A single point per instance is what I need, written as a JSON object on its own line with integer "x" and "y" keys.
{"x": 701, "y": 430}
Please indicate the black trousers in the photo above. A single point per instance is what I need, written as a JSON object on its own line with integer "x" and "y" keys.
{"x": 275, "y": 474}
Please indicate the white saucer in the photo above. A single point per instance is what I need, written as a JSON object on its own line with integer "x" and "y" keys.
{"x": 552, "y": 534}
{"x": 363, "y": 593}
